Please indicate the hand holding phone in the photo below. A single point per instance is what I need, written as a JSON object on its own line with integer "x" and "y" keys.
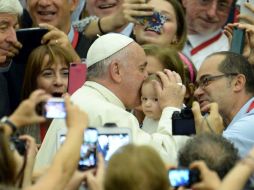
{"x": 183, "y": 177}
{"x": 247, "y": 15}
{"x": 88, "y": 148}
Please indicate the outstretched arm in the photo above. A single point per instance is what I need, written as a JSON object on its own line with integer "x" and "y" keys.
{"x": 66, "y": 159}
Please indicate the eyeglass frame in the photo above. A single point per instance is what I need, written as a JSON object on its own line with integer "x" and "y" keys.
{"x": 205, "y": 81}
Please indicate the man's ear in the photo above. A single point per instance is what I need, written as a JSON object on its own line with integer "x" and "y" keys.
{"x": 115, "y": 71}
{"x": 73, "y": 4}
{"x": 239, "y": 82}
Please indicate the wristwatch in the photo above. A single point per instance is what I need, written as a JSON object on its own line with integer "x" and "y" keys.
{"x": 5, "y": 120}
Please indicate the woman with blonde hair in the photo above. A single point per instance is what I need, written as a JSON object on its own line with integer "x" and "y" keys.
{"x": 135, "y": 167}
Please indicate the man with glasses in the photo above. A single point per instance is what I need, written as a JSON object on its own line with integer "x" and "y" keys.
{"x": 228, "y": 79}
{"x": 205, "y": 20}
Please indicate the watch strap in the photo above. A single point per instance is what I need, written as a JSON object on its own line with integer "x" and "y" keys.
{"x": 6, "y": 121}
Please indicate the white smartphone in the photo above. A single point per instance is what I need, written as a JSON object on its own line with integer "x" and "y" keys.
{"x": 244, "y": 10}
{"x": 110, "y": 139}
{"x": 54, "y": 108}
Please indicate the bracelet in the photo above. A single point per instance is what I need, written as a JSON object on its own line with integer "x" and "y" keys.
{"x": 5, "y": 120}
{"x": 99, "y": 26}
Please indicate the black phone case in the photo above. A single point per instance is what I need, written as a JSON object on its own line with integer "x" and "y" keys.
{"x": 237, "y": 43}
{"x": 30, "y": 38}
{"x": 183, "y": 123}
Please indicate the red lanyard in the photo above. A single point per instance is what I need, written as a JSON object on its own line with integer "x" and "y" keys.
{"x": 205, "y": 44}
{"x": 43, "y": 130}
{"x": 74, "y": 42}
{"x": 250, "y": 107}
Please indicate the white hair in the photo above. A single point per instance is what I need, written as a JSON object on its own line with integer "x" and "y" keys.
{"x": 11, "y": 7}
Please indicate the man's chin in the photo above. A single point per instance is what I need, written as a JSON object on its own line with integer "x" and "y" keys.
{"x": 204, "y": 30}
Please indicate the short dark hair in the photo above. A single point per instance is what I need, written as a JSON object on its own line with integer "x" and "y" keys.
{"x": 217, "y": 152}
{"x": 236, "y": 63}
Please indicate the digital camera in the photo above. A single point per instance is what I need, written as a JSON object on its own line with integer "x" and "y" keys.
{"x": 183, "y": 177}
{"x": 19, "y": 144}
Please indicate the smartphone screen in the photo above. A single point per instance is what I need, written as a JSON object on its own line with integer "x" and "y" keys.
{"x": 54, "y": 108}
{"x": 109, "y": 143}
{"x": 88, "y": 149}
{"x": 179, "y": 177}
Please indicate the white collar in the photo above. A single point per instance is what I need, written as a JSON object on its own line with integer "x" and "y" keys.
{"x": 197, "y": 39}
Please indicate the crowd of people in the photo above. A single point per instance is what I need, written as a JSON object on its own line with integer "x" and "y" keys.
{"x": 146, "y": 60}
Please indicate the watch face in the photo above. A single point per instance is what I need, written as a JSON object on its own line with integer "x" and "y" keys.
{"x": 3, "y": 119}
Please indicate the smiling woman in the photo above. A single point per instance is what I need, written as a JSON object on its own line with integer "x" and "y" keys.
{"x": 173, "y": 31}
{"x": 48, "y": 69}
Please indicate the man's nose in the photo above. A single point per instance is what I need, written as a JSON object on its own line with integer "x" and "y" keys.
{"x": 44, "y": 2}
{"x": 145, "y": 74}
{"x": 11, "y": 36}
{"x": 212, "y": 9}
{"x": 198, "y": 92}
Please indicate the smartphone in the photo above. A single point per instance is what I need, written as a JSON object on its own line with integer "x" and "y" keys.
{"x": 244, "y": 10}
{"x": 111, "y": 139}
{"x": 238, "y": 39}
{"x": 77, "y": 76}
{"x": 30, "y": 38}
{"x": 88, "y": 149}
{"x": 183, "y": 122}
{"x": 54, "y": 108}
{"x": 183, "y": 177}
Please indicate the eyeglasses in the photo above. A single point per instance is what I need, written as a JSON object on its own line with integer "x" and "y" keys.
{"x": 206, "y": 80}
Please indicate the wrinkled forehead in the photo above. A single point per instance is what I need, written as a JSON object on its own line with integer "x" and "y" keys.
{"x": 8, "y": 18}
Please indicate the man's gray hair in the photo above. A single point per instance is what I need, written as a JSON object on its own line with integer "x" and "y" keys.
{"x": 100, "y": 68}
{"x": 11, "y": 7}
